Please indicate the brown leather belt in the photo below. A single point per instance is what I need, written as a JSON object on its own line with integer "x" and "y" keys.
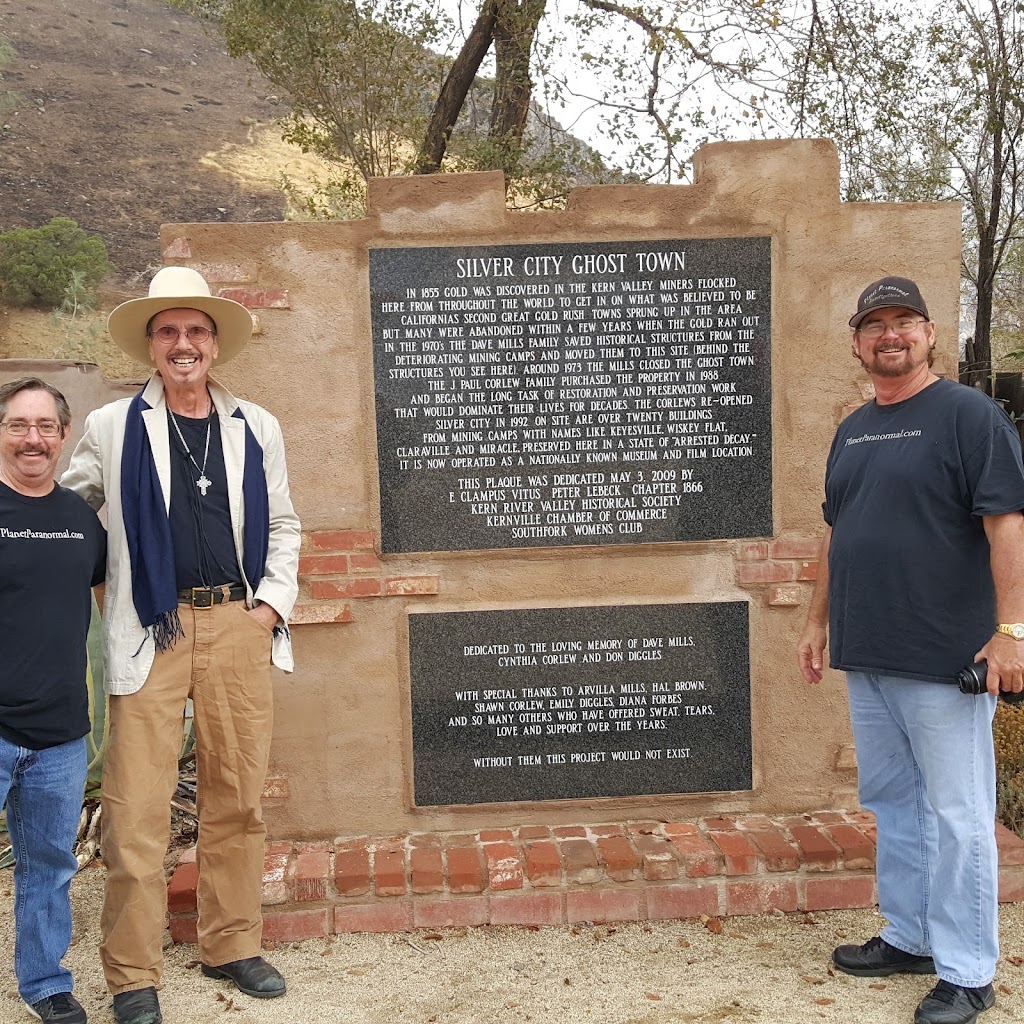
{"x": 207, "y": 597}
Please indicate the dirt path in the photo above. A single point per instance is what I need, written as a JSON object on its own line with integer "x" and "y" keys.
{"x": 771, "y": 970}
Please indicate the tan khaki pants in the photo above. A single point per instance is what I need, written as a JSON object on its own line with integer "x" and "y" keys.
{"x": 223, "y": 664}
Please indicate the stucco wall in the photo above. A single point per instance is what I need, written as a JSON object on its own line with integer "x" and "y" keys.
{"x": 342, "y": 754}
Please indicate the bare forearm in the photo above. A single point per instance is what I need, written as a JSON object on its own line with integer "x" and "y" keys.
{"x": 1005, "y": 655}
{"x": 1006, "y": 542}
{"x": 817, "y": 613}
{"x": 811, "y": 646}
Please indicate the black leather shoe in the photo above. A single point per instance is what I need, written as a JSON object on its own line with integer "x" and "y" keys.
{"x": 138, "y": 1007}
{"x": 953, "y": 1004}
{"x": 253, "y": 976}
{"x": 877, "y": 959}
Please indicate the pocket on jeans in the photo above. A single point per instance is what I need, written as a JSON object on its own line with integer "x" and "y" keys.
{"x": 253, "y": 620}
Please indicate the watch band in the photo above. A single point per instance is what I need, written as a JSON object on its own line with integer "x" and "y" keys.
{"x": 1014, "y": 629}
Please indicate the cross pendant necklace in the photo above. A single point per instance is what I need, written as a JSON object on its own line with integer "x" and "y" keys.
{"x": 202, "y": 483}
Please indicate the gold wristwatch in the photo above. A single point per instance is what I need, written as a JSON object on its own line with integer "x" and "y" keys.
{"x": 1014, "y": 629}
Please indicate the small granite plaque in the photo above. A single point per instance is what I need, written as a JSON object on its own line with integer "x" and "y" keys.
{"x": 570, "y": 703}
{"x": 583, "y": 393}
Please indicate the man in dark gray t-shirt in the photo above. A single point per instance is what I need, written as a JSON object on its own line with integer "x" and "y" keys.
{"x": 52, "y": 550}
{"x": 922, "y": 573}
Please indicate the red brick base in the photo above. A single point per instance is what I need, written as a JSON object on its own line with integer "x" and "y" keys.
{"x": 535, "y": 875}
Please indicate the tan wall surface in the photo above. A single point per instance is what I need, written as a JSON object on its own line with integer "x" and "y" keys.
{"x": 342, "y": 755}
{"x": 81, "y": 384}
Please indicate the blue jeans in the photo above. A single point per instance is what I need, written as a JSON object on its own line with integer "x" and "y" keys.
{"x": 926, "y": 768}
{"x": 43, "y": 790}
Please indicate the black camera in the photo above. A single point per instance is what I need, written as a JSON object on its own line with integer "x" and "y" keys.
{"x": 972, "y": 680}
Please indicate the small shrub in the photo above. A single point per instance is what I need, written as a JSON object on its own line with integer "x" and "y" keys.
{"x": 1010, "y": 800}
{"x": 81, "y": 328}
{"x": 341, "y": 196}
{"x": 38, "y": 264}
{"x": 1008, "y": 730}
{"x": 8, "y": 98}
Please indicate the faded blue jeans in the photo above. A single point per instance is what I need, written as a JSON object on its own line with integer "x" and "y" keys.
{"x": 43, "y": 790}
{"x": 926, "y": 767}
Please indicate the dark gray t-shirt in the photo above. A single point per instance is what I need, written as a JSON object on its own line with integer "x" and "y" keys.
{"x": 52, "y": 550}
{"x": 906, "y": 487}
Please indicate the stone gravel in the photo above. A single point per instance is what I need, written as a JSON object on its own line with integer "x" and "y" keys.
{"x": 772, "y": 969}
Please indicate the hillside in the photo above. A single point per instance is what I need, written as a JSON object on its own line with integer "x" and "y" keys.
{"x": 121, "y": 101}
{"x": 131, "y": 115}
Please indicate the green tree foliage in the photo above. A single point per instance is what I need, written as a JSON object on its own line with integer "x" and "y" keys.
{"x": 925, "y": 103}
{"x": 388, "y": 85}
{"x": 359, "y": 73}
{"x": 38, "y": 264}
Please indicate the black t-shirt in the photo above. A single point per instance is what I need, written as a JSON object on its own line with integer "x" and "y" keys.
{"x": 906, "y": 487}
{"x": 52, "y": 550}
{"x": 204, "y": 548}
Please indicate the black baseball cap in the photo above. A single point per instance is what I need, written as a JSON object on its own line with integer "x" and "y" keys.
{"x": 890, "y": 291}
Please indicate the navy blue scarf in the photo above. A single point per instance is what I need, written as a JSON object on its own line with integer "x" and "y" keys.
{"x": 148, "y": 530}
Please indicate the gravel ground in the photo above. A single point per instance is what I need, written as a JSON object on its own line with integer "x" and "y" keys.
{"x": 772, "y": 969}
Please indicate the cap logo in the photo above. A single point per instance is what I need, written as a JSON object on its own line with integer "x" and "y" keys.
{"x": 885, "y": 290}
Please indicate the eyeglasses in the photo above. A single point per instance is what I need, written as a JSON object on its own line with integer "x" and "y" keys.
{"x": 168, "y": 334}
{"x": 19, "y": 428}
{"x": 877, "y": 328}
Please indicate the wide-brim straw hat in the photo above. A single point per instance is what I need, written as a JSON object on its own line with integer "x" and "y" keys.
{"x": 179, "y": 288}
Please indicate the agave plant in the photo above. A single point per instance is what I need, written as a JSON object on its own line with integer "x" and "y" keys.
{"x": 88, "y": 840}
{"x": 99, "y": 736}
{"x": 95, "y": 742}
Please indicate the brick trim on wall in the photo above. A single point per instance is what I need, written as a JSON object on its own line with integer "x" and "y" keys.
{"x": 337, "y": 567}
{"x": 785, "y": 566}
{"x": 535, "y": 875}
{"x": 340, "y": 566}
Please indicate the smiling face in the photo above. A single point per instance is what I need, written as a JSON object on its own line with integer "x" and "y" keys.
{"x": 181, "y": 362}
{"x": 27, "y": 463}
{"x": 891, "y": 354}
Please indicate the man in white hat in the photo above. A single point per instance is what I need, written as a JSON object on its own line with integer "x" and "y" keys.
{"x": 201, "y": 577}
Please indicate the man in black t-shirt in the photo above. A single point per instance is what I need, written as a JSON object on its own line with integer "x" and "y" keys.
{"x": 921, "y": 572}
{"x": 52, "y": 550}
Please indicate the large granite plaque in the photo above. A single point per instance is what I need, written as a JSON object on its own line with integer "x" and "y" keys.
{"x": 556, "y": 703}
{"x": 535, "y": 395}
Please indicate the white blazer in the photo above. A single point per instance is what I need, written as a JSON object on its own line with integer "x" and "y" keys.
{"x": 95, "y": 474}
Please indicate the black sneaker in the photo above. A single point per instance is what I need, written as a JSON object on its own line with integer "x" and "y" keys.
{"x": 877, "y": 959}
{"x": 63, "y": 1008}
{"x": 953, "y": 1004}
